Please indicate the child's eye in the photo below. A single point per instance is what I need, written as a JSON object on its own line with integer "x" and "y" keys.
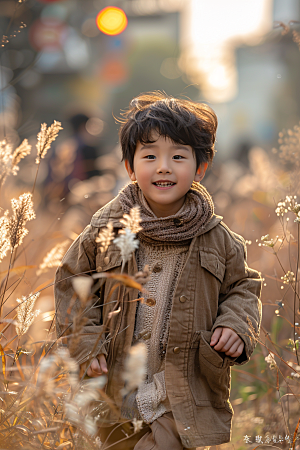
{"x": 150, "y": 156}
{"x": 178, "y": 157}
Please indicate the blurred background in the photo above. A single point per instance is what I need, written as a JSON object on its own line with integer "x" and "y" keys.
{"x": 80, "y": 62}
{"x": 57, "y": 64}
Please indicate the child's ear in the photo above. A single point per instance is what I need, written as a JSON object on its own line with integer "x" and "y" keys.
{"x": 200, "y": 172}
{"x": 129, "y": 170}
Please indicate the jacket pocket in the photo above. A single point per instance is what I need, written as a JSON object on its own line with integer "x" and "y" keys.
{"x": 212, "y": 262}
{"x": 209, "y": 372}
{"x": 107, "y": 261}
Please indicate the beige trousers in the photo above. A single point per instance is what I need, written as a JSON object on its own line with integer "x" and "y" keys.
{"x": 160, "y": 435}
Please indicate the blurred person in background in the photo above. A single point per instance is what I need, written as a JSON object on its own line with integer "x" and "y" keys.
{"x": 86, "y": 152}
{"x": 74, "y": 159}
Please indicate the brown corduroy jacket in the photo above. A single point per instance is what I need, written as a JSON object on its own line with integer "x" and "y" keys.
{"x": 216, "y": 289}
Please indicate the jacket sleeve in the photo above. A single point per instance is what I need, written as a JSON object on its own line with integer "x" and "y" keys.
{"x": 239, "y": 302}
{"x": 79, "y": 259}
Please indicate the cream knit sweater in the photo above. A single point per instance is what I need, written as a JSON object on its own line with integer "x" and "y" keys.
{"x": 152, "y": 323}
{"x": 166, "y": 262}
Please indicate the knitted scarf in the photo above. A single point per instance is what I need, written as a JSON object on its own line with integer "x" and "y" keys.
{"x": 196, "y": 212}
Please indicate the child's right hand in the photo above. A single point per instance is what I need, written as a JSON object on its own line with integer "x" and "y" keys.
{"x": 98, "y": 366}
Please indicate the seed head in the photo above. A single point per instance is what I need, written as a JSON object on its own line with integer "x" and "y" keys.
{"x": 127, "y": 244}
{"x": 135, "y": 368}
{"x": 5, "y": 161}
{"x": 45, "y": 137}
{"x": 105, "y": 237}
{"x": 20, "y": 153}
{"x": 22, "y": 213}
{"x": 25, "y": 316}
{"x": 9, "y": 161}
{"x": 132, "y": 220}
{"x": 82, "y": 287}
{"x": 271, "y": 361}
{"x": 4, "y": 241}
{"x": 53, "y": 258}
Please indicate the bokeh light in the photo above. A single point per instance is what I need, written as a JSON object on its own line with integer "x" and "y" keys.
{"x": 111, "y": 20}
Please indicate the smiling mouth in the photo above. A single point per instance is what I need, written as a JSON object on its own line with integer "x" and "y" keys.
{"x": 164, "y": 183}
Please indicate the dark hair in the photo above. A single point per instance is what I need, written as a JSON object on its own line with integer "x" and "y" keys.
{"x": 183, "y": 121}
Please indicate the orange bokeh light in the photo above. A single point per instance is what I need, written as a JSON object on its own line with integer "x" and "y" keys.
{"x": 111, "y": 20}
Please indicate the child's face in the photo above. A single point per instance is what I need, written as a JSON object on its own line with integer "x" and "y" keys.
{"x": 165, "y": 172}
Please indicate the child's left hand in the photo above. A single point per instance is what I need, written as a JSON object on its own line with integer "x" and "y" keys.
{"x": 226, "y": 340}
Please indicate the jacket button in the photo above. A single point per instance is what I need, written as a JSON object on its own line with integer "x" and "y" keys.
{"x": 177, "y": 222}
{"x": 99, "y": 269}
{"x": 176, "y": 350}
{"x": 150, "y": 302}
{"x": 106, "y": 260}
{"x": 147, "y": 336}
{"x": 182, "y": 299}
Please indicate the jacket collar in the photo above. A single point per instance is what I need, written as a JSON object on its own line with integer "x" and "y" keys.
{"x": 113, "y": 211}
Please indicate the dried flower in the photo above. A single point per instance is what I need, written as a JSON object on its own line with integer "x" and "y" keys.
{"x": 76, "y": 411}
{"x": 113, "y": 313}
{"x": 20, "y": 153}
{"x": 69, "y": 364}
{"x": 82, "y": 287}
{"x": 271, "y": 361}
{"x": 53, "y": 258}
{"x": 137, "y": 425}
{"x": 45, "y": 379}
{"x": 296, "y": 38}
{"x": 22, "y": 213}
{"x": 90, "y": 425}
{"x": 295, "y": 375}
{"x": 4, "y": 241}
{"x": 72, "y": 413}
{"x": 144, "y": 276}
{"x": 25, "y": 316}
{"x": 132, "y": 220}
{"x": 9, "y": 161}
{"x": 45, "y": 137}
{"x": 253, "y": 333}
{"x": 90, "y": 391}
{"x": 105, "y": 237}
{"x": 288, "y": 278}
{"x": 267, "y": 242}
{"x": 135, "y": 368}
{"x": 127, "y": 244}
{"x": 289, "y": 204}
{"x": 98, "y": 442}
{"x": 285, "y": 28}
{"x": 5, "y": 160}
{"x": 296, "y": 368}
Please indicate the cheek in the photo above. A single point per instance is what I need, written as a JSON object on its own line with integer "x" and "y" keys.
{"x": 142, "y": 171}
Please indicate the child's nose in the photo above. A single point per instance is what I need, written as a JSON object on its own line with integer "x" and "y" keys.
{"x": 164, "y": 167}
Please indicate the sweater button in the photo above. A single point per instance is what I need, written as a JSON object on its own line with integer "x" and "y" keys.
{"x": 106, "y": 260}
{"x": 176, "y": 350}
{"x": 182, "y": 299}
{"x": 150, "y": 302}
{"x": 157, "y": 268}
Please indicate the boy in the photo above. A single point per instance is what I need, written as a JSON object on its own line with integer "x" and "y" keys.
{"x": 201, "y": 296}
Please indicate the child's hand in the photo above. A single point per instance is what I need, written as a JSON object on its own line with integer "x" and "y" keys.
{"x": 227, "y": 341}
{"x": 98, "y": 366}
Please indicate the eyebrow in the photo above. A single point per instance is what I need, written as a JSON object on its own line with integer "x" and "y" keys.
{"x": 174, "y": 146}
